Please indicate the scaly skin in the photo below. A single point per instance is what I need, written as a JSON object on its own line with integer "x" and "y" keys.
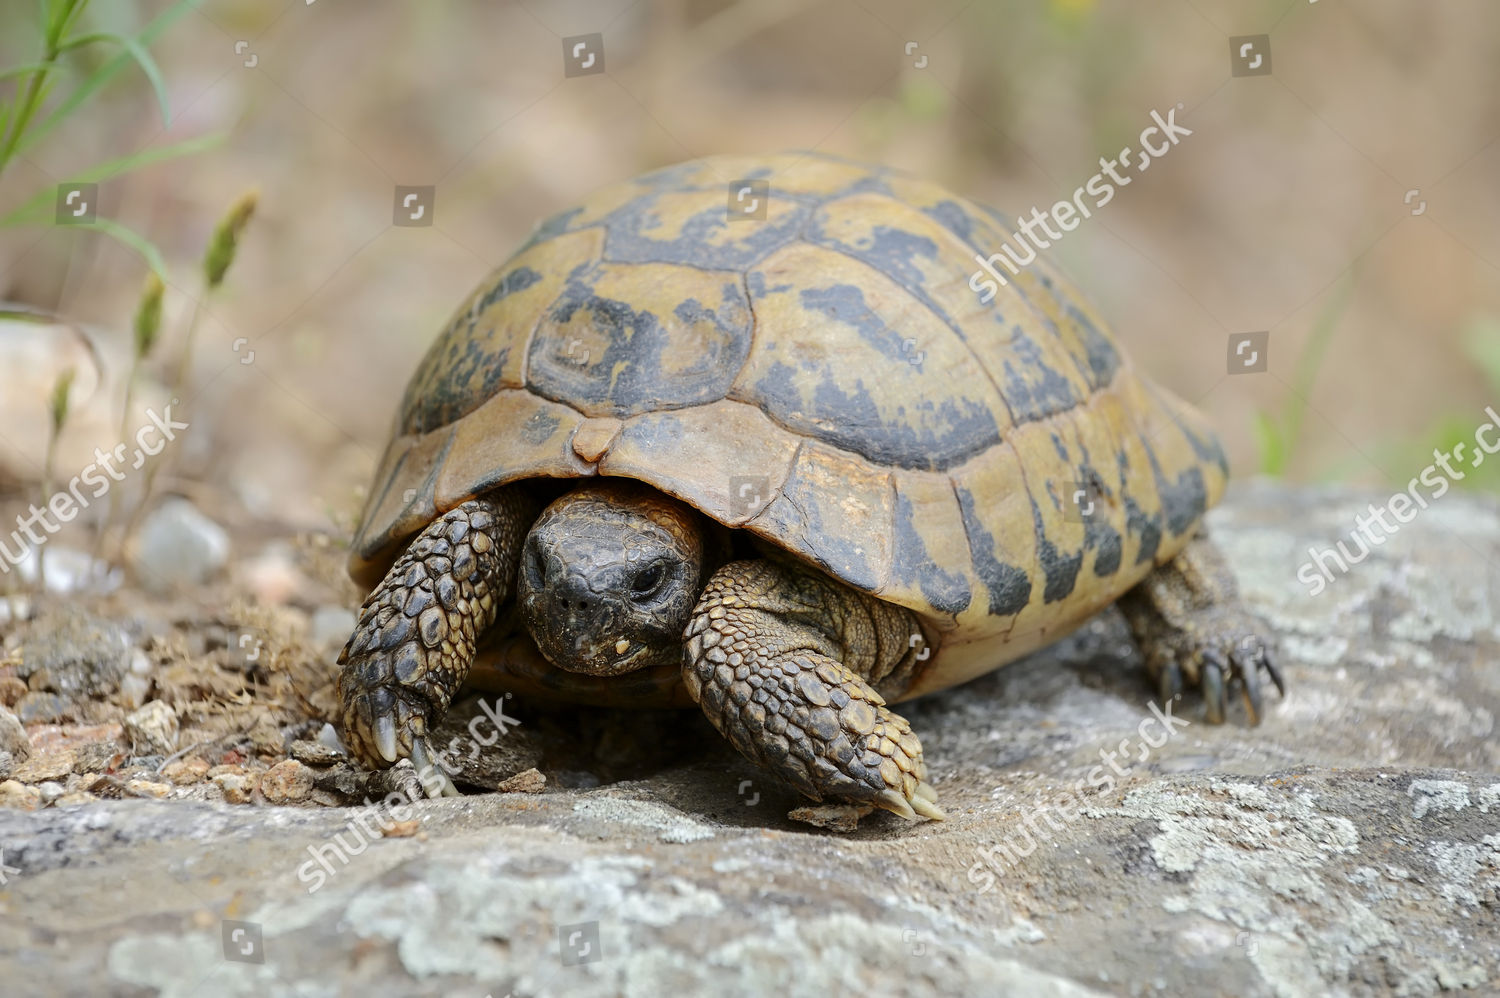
{"x": 1188, "y": 619}
{"x": 417, "y": 630}
{"x": 782, "y": 660}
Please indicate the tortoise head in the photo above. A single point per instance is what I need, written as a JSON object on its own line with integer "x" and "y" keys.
{"x": 609, "y": 575}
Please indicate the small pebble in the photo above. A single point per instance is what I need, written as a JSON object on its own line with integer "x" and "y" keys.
{"x": 100, "y": 757}
{"x": 185, "y": 772}
{"x": 399, "y": 829}
{"x": 42, "y": 708}
{"x": 16, "y": 794}
{"x": 134, "y": 690}
{"x": 148, "y": 788}
{"x": 328, "y": 736}
{"x": 11, "y": 690}
{"x": 50, "y": 791}
{"x": 529, "y": 782}
{"x": 13, "y": 737}
{"x": 236, "y": 786}
{"x": 178, "y": 547}
{"x": 286, "y": 782}
{"x": 834, "y": 817}
{"x": 152, "y": 729}
{"x": 315, "y": 753}
{"x": 14, "y": 609}
{"x": 55, "y": 763}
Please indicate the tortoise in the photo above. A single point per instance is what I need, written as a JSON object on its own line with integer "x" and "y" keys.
{"x": 773, "y": 456}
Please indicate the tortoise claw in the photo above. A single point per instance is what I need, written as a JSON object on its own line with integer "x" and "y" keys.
{"x": 924, "y": 802}
{"x": 1212, "y": 682}
{"x": 1268, "y": 661}
{"x": 385, "y": 737}
{"x": 894, "y": 802}
{"x": 432, "y": 777}
{"x": 1169, "y": 682}
{"x": 1247, "y": 672}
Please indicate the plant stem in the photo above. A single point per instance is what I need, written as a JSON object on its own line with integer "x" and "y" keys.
{"x": 41, "y": 549}
{"x": 187, "y": 346}
{"x": 31, "y": 99}
{"x": 109, "y": 515}
{"x": 155, "y": 466}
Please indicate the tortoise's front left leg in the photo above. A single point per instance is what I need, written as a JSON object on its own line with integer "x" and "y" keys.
{"x": 785, "y": 662}
{"x": 417, "y": 630}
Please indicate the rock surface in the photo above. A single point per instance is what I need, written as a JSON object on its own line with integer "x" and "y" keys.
{"x": 1348, "y": 845}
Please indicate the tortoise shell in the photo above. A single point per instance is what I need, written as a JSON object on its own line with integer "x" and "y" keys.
{"x": 826, "y": 378}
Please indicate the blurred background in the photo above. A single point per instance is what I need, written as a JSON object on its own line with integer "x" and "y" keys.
{"x": 1344, "y": 202}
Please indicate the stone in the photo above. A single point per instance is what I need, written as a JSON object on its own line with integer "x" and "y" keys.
{"x": 834, "y": 817}
{"x": 12, "y": 689}
{"x": 70, "y": 571}
{"x": 53, "y": 763}
{"x": 77, "y": 655}
{"x": 13, "y": 737}
{"x": 134, "y": 690}
{"x": 178, "y": 547}
{"x": 185, "y": 772}
{"x": 315, "y": 753}
{"x": 1350, "y": 844}
{"x": 152, "y": 729}
{"x": 43, "y": 708}
{"x": 148, "y": 788}
{"x": 287, "y": 782}
{"x": 14, "y": 793}
{"x": 529, "y": 782}
{"x": 237, "y": 787}
{"x": 14, "y": 609}
{"x": 331, "y": 627}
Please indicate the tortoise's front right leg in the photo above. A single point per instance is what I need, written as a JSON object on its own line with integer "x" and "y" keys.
{"x": 417, "y": 630}
{"x": 784, "y": 661}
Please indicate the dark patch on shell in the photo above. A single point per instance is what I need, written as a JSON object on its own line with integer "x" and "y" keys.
{"x": 948, "y": 592}
{"x": 1009, "y": 586}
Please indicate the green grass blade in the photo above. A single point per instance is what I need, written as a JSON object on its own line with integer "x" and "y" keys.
{"x": 138, "y": 52}
{"x": 133, "y": 239}
{"x": 104, "y": 74}
{"x": 30, "y": 67}
{"x": 37, "y": 206}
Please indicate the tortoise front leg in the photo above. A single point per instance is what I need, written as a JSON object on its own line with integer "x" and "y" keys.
{"x": 417, "y": 630}
{"x": 783, "y": 662}
{"x": 1190, "y": 624}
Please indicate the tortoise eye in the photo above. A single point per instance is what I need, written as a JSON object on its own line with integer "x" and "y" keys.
{"x": 649, "y": 581}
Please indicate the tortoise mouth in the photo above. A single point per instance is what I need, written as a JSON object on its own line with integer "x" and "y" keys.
{"x": 606, "y": 660}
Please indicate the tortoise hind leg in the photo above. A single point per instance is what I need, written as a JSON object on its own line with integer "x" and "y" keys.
{"x": 1190, "y": 623}
{"x": 783, "y": 662}
{"x": 418, "y": 629}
